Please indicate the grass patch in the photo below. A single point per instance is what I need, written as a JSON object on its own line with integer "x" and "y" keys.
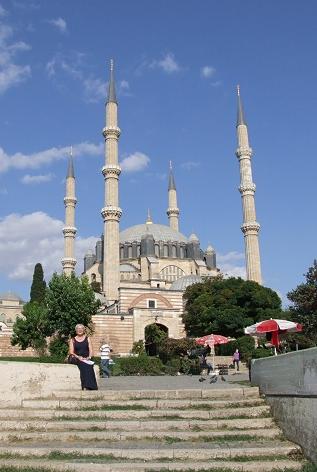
{"x": 107, "y": 407}
{"x": 27, "y": 469}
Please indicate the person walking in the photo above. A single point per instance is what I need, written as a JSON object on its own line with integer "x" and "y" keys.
{"x": 236, "y": 359}
{"x": 105, "y": 360}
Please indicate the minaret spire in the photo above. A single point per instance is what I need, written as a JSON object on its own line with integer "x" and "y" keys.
{"x": 111, "y": 211}
{"x": 250, "y": 226}
{"x": 111, "y": 87}
{"x": 173, "y": 210}
{"x": 69, "y": 231}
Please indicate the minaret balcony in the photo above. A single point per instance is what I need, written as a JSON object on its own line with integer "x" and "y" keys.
{"x": 111, "y": 132}
{"x": 69, "y": 231}
{"x": 253, "y": 227}
{"x": 69, "y": 262}
{"x": 172, "y": 212}
{"x": 111, "y": 170}
{"x": 244, "y": 153}
{"x": 111, "y": 213}
{"x": 70, "y": 201}
{"x": 247, "y": 189}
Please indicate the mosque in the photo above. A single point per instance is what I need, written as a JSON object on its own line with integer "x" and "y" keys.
{"x": 143, "y": 270}
{"x": 140, "y": 273}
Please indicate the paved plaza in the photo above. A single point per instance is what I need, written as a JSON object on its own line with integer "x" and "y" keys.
{"x": 177, "y": 382}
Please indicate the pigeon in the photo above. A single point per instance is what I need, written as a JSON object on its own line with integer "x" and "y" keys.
{"x": 201, "y": 379}
{"x": 223, "y": 379}
{"x": 213, "y": 379}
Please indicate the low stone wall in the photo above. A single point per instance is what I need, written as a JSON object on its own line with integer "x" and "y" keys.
{"x": 23, "y": 380}
{"x": 289, "y": 382}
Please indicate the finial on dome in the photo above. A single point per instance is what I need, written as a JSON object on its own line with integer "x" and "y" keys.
{"x": 149, "y": 218}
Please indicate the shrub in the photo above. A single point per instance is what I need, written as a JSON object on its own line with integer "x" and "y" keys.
{"x": 138, "y": 347}
{"x": 58, "y": 348}
{"x": 141, "y": 365}
{"x": 261, "y": 352}
{"x": 170, "y": 348}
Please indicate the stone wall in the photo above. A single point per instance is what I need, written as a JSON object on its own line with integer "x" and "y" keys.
{"x": 22, "y": 380}
{"x": 289, "y": 382}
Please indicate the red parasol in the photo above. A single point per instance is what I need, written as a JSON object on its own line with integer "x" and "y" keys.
{"x": 212, "y": 340}
{"x": 275, "y": 327}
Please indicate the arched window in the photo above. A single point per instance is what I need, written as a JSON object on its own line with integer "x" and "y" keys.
{"x": 173, "y": 251}
{"x": 165, "y": 250}
{"x": 171, "y": 273}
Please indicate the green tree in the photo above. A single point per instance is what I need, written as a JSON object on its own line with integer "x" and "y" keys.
{"x": 31, "y": 329}
{"x": 38, "y": 287}
{"x": 70, "y": 300}
{"x": 304, "y": 308}
{"x": 227, "y": 306}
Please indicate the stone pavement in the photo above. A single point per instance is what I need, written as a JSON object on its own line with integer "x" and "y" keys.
{"x": 166, "y": 382}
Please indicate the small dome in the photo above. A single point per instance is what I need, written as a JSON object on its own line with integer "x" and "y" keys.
{"x": 193, "y": 237}
{"x": 159, "y": 232}
{"x": 210, "y": 249}
{"x": 10, "y": 296}
{"x": 183, "y": 282}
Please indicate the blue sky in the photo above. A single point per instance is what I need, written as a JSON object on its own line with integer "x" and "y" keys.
{"x": 177, "y": 66}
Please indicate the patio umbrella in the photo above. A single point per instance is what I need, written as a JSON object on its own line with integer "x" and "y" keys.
{"x": 212, "y": 340}
{"x": 276, "y": 327}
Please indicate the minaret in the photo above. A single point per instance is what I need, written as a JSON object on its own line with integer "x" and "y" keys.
{"x": 69, "y": 231}
{"x": 111, "y": 212}
{"x": 250, "y": 226}
{"x": 173, "y": 210}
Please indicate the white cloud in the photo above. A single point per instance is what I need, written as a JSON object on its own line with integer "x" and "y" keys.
{"x": 11, "y": 74}
{"x": 207, "y": 72}
{"x": 73, "y": 65}
{"x": 168, "y": 64}
{"x": 3, "y": 12}
{"x": 60, "y": 24}
{"x": 94, "y": 90}
{"x": 36, "y": 160}
{"x": 36, "y": 179}
{"x": 135, "y": 162}
{"x": 189, "y": 165}
{"x": 124, "y": 85}
{"x": 35, "y": 237}
{"x": 229, "y": 266}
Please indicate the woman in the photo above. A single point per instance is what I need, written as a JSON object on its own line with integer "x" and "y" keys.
{"x": 80, "y": 348}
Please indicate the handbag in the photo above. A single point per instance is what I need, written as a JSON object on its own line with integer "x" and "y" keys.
{"x": 72, "y": 359}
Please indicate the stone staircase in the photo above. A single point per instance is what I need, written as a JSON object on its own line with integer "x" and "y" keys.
{"x": 147, "y": 430}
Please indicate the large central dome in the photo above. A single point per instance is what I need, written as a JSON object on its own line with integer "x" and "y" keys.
{"x": 160, "y": 233}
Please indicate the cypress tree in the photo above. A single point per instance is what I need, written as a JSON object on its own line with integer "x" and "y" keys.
{"x": 38, "y": 287}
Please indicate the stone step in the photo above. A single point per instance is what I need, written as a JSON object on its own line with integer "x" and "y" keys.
{"x": 133, "y": 404}
{"x": 68, "y": 466}
{"x": 211, "y": 392}
{"x": 193, "y": 452}
{"x": 175, "y": 414}
{"x": 135, "y": 425}
{"x": 100, "y": 435}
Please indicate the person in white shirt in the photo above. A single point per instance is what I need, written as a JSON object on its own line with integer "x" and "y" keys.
{"x": 105, "y": 360}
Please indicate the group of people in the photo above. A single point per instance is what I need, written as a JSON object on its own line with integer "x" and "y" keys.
{"x": 80, "y": 354}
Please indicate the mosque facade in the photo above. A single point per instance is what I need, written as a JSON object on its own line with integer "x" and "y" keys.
{"x": 142, "y": 271}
